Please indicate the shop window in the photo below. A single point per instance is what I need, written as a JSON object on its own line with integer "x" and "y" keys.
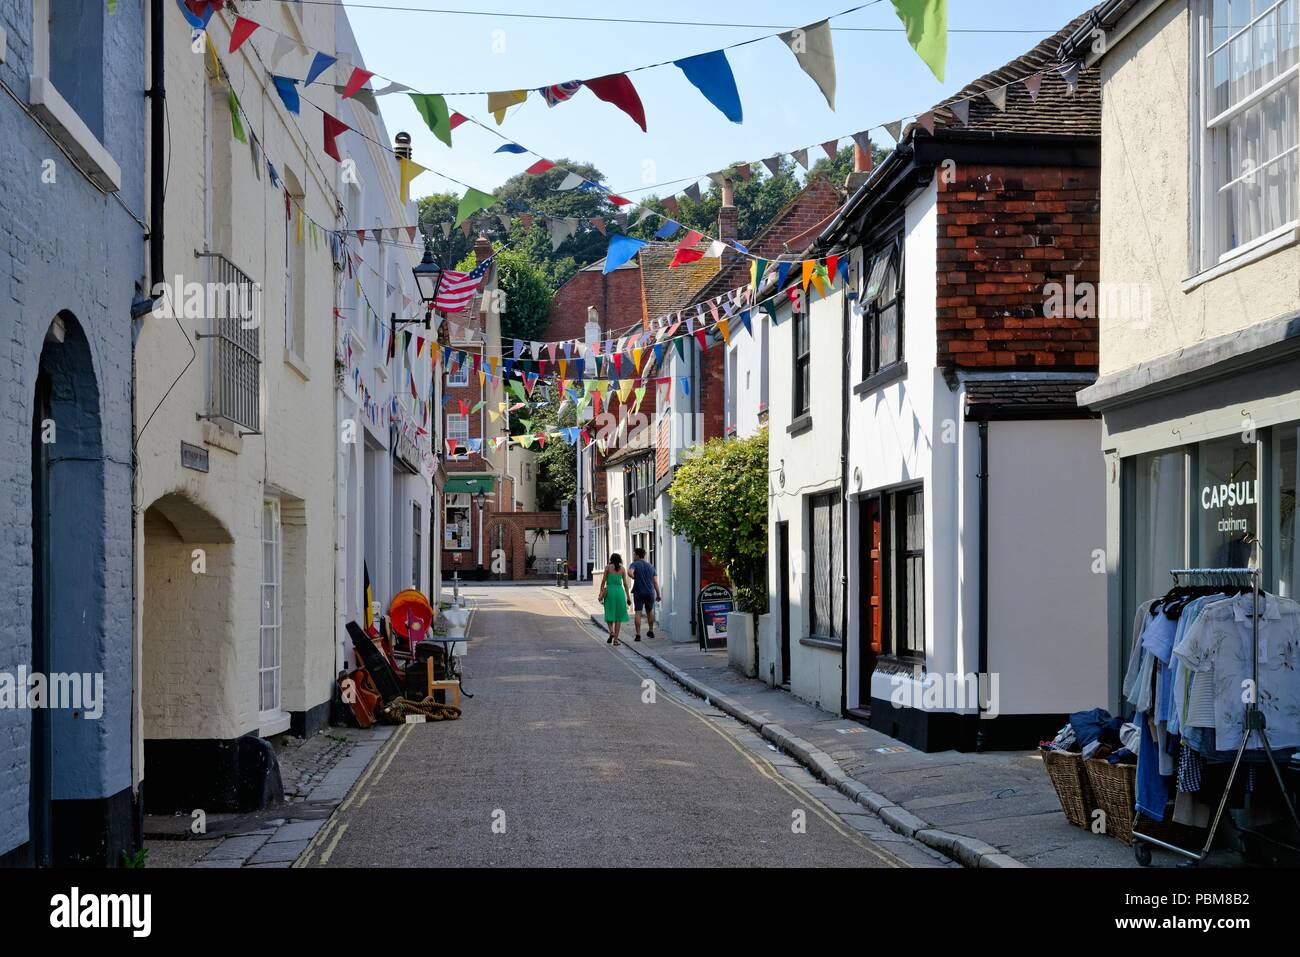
{"x": 1285, "y": 543}
{"x": 1227, "y": 502}
{"x": 1160, "y": 519}
{"x": 456, "y": 527}
{"x": 826, "y": 531}
{"x": 905, "y": 515}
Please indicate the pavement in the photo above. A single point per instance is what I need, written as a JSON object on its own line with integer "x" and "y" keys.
{"x": 574, "y": 753}
{"x": 318, "y": 774}
{"x": 983, "y": 810}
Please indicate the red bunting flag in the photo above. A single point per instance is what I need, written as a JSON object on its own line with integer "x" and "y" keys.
{"x": 541, "y": 166}
{"x": 356, "y": 81}
{"x": 617, "y": 89}
{"x": 455, "y": 120}
{"x": 333, "y": 127}
{"x": 241, "y": 31}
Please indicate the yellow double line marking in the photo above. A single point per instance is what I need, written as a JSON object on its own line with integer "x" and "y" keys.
{"x": 763, "y": 768}
{"x": 329, "y": 836}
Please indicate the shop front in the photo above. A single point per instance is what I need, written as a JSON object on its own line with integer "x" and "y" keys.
{"x": 463, "y": 548}
{"x": 1200, "y": 474}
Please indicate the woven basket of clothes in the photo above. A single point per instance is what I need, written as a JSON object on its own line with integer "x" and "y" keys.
{"x": 1065, "y": 768}
{"x": 1114, "y": 787}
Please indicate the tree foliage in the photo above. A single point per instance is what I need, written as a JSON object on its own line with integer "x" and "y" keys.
{"x": 719, "y": 503}
{"x": 527, "y": 295}
{"x": 557, "y": 464}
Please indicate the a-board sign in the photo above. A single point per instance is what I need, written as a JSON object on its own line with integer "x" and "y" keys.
{"x": 715, "y": 602}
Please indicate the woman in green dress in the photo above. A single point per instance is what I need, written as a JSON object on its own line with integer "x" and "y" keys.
{"x": 616, "y": 595}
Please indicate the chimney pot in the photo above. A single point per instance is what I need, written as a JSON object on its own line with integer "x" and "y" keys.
{"x": 402, "y": 145}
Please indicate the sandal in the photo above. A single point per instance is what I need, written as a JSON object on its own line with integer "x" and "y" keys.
{"x": 610, "y": 639}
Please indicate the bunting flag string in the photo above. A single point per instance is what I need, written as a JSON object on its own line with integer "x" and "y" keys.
{"x": 924, "y": 21}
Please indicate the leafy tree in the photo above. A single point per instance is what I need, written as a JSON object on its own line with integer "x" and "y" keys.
{"x": 557, "y": 466}
{"x": 527, "y": 295}
{"x": 719, "y": 503}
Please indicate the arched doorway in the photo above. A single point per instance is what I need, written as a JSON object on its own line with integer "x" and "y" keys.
{"x": 68, "y": 577}
{"x": 189, "y": 676}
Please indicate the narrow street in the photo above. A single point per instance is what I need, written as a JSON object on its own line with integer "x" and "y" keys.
{"x": 559, "y": 750}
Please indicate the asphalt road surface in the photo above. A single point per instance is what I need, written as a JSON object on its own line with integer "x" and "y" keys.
{"x": 558, "y": 761}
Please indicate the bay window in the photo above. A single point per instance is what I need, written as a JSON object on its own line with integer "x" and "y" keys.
{"x": 1249, "y": 125}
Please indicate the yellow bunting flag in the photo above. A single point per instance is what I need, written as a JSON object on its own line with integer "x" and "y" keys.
{"x": 808, "y": 266}
{"x": 498, "y": 103}
{"x": 726, "y": 332}
{"x": 409, "y": 169}
{"x": 564, "y": 365}
{"x": 636, "y": 358}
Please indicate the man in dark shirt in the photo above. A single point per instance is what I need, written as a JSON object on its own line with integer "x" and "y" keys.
{"x": 645, "y": 591}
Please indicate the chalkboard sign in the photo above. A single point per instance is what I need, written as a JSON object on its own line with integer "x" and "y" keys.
{"x": 715, "y": 602}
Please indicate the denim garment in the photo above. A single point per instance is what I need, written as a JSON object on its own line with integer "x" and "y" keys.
{"x": 1152, "y": 787}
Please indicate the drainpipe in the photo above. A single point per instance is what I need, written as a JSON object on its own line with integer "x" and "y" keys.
{"x": 157, "y": 129}
{"x": 844, "y": 508}
{"x": 981, "y": 737}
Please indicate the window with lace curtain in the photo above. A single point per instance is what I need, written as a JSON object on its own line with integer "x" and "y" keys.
{"x": 1248, "y": 66}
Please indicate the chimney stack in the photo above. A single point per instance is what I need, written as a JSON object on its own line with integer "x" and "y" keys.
{"x": 861, "y": 168}
{"x": 728, "y": 217}
{"x": 402, "y": 145}
{"x": 482, "y": 248}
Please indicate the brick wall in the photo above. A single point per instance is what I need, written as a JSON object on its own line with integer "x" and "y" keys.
{"x": 1005, "y": 233}
{"x": 617, "y": 297}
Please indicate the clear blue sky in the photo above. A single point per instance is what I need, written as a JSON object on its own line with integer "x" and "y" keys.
{"x": 879, "y": 78}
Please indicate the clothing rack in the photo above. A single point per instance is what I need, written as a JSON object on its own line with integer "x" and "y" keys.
{"x": 1253, "y": 719}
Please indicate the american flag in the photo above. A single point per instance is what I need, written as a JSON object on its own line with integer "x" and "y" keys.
{"x": 457, "y": 288}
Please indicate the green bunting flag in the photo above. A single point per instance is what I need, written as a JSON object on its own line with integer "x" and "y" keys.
{"x": 236, "y": 124}
{"x": 471, "y": 203}
{"x": 927, "y": 30}
{"x": 434, "y": 110}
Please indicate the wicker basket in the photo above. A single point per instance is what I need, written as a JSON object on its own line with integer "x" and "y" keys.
{"x": 1114, "y": 787}
{"x": 1065, "y": 768}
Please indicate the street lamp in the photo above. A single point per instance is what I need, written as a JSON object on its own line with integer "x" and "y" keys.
{"x": 480, "y": 497}
{"x": 428, "y": 277}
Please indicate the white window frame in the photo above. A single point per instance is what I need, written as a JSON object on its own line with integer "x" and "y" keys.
{"x": 417, "y": 542}
{"x": 458, "y": 501}
{"x": 461, "y": 376}
{"x": 273, "y": 716}
{"x": 1204, "y": 257}
{"x": 59, "y": 116}
{"x": 449, "y": 434}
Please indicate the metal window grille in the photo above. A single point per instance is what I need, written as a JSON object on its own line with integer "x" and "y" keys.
{"x": 234, "y": 311}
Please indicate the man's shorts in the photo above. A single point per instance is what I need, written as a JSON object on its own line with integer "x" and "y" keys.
{"x": 643, "y": 602}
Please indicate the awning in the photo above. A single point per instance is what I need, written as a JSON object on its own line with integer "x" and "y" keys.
{"x": 471, "y": 484}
